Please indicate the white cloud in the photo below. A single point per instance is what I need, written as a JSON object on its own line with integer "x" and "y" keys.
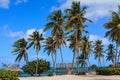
{"x": 93, "y": 38}
{"x": 30, "y": 31}
{"x": 53, "y": 8}
{"x": 5, "y": 31}
{"x": 96, "y": 9}
{"x": 4, "y": 4}
{"x": 16, "y": 34}
{"x": 20, "y": 1}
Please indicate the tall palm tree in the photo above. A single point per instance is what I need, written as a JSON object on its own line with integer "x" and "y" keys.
{"x": 49, "y": 48}
{"x": 35, "y": 38}
{"x": 72, "y": 46}
{"x": 111, "y": 53}
{"x": 113, "y": 26}
{"x": 20, "y": 49}
{"x": 56, "y": 24}
{"x": 86, "y": 48}
{"x": 82, "y": 61}
{"x": 75, "y": 24}
{"x": 99, "y": 51}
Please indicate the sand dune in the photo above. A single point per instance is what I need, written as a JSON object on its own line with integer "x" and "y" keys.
{"x": 73, "y": 77}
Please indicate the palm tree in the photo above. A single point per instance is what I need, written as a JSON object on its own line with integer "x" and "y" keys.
{"x": 111, "y": 53}
{"x": 99, "y": 51}
{"x": 113, "y": 26}
{"x": 34, "y": 40}
{"x": 86, "y": 48}
{"x": 49, "y": 48}
{"x": 20, "y": 49}
{"x": 72, "y": 46}
{"x": 75, "y": 24}
{"x": 81, "y": 60}
{"x": 56, "y": 25}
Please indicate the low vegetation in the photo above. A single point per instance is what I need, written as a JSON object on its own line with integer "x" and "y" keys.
{"x": 8, "y": 75}
{"x": 51, "y": 74}
{"x": 108, "y": 71}
{"x": 93, "y": 67}
{"x": 31, "y": 67}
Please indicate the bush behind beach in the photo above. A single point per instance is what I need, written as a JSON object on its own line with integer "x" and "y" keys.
{"x": 108, "y": 71}
{"x": 8, "y": 75}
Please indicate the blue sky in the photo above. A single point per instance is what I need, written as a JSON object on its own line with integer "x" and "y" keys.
{"x": 19, "y": 18}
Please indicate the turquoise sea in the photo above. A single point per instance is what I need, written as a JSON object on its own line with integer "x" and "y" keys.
{"x": 58, "y": 72}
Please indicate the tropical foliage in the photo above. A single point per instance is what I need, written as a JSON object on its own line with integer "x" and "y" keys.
{"x": 113, "y": 27}
{"x": 30, "y": 68}
{"x": 86, "y": 49}
{"x": 69, "y": 27}
{"x": 99, "y": 51}
{"x": 50, "y": 49}
{"x": 75, "y": 26}
{"x": 111, "y": 53}
{"x": 34, "y": 40}
{"x": 20, "y": 49}
{"x": 108, "y": 71}
{"x": 57, "y": 25}
{"x": 8, "y": 75}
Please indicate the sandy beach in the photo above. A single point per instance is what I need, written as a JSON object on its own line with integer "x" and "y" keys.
{"x": 73, "y": 77}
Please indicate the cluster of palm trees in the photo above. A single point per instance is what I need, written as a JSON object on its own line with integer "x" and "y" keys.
{"x": 70, "y": 28}
{"x": 113, "y": 27}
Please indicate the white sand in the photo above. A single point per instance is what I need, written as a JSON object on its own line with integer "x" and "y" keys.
{"x": 73, "y": 77}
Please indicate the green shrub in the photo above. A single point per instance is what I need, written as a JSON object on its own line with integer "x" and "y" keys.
{"x": 108, "y": 71}
{"x": 8, "y": 75}
{"x": 51, "y": 74}
{"x": 30, "y": 68}
{"x": 93, "y": 67}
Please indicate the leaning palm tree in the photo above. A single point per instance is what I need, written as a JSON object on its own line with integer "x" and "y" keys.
{"x": 111, "y": 53}
{"x": 113, "y": 26}
{"x": 75, "y": 24}
{"x": 49, "y": 48}
{"x": 20, "y": 49}
{"x": 99, "y": 51}
{"x": 56, "y": 24}
{"x": 34, "y": 40}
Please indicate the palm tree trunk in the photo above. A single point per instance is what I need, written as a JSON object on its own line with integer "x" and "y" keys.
{"x": 103, "y": 62}
{"x": 98, "y": 63}
{"x": 37, "y": 62}
{"x": 113, "y": 61}
{"x": 116, "y": 54}
{"x": 26, "y": 59}
{"x": 88, "y": 64}
{"x": 78, "y": 64}
{"x": 73, "y": 61}
{"x": 53, "y": 63}
{"x": 61, "y": 56}
{"x": 88, "y": 60}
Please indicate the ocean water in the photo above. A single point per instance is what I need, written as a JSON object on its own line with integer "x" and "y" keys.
{"x": 58, "y": 72}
